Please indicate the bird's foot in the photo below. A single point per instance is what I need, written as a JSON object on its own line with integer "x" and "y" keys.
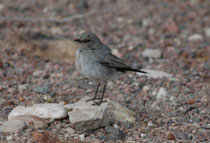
{"x": 98, "y": 103}
{"x": 92, "y": 99}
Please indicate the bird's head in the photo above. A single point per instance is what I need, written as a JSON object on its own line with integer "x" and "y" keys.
{"x": 87, "y": 38}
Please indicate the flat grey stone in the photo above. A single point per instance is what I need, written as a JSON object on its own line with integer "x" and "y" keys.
{"x": 34, "y": 121}
{"x": 46, "y": 110}
{"x": 156, "y": 74}
{"x": 42, "y": 89}
{"x": 70, "y": 131}
{"x": 152, "y": 53}
{"x": 122, "y": 113}
{"x": 207, "y": 32}
{"x": 195, "y": 37}
{"x": 162, "y": 93}
{"x": 84, "y": 116}
{"x": 13, "y": 125}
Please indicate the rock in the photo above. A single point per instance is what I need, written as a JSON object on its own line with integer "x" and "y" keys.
{"x": 207, "y": 32}
{"x": 205, "y": 126}
{"x": 143, "y": 135}
{"x": 123, "y": 114}
{"x": 156, "y": 74}
{"x": 194, "y": 2}
{"x": 82, "y": 5}
{"x": 9, "y": 138}
{"x": 171, "y": 27}
{"x": 82, "y": 137}
{"x": 146, "y": 88}
{"x": 145, "y": 22}
{"x": 152, "y": 53}
{"x": 162, "y": 93}
{"x": 130, "y": 141}
{"x": 46, "y": 110}
{"x": 116, "y": 133}
{"x": 22, "y": 87}
{"x": 1, "y": 64}
{"x": 37, "y": 73}
{"x": 47, "y": 47}
{"x": 84, "y": 116}
{"x": 42, "y": 89}
{"x": 170, "y": 136}
{"x": 35, "y": 121}
{"x": 43, "y": 137}
{"x": 13, "y": 125}
{"x": 195, "y": 37}
{"x": 70, "y": 131}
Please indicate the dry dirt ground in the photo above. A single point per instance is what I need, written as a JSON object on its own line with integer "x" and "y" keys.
{"x": 178, "y": 28}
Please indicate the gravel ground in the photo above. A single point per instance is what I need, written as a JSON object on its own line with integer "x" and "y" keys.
{"x": 167, "y": 110}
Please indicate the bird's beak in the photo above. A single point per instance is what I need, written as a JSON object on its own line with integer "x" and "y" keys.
{"x": 77, "y": 40}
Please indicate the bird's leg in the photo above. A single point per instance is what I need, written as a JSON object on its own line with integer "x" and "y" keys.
{"x": 94, "y": 98}
{"x": 101, "y": 100}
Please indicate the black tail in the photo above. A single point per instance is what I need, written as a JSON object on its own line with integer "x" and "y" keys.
{"x": 130, "y": 69}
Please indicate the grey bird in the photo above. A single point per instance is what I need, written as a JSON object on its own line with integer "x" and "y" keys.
{"x": 95, "y": 61}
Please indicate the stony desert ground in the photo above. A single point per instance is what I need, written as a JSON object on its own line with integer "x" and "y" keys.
{"x": 169, "y": 38}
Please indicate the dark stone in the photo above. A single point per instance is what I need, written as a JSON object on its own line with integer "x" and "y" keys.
{"x": 116, "y": 133}
{"x": 42, "y": 89}
{"x": 128, "y": 125}
{"x": 82, "y": 5}
{"x": 103, "y": 138}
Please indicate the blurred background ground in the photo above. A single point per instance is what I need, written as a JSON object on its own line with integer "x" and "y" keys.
{"x": 179, "y": 30}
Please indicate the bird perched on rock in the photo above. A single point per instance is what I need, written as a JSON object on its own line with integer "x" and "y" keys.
{"x": 95, "y": 61}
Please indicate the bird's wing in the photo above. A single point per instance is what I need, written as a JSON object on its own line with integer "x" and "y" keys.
{"x": 112, "y": 61}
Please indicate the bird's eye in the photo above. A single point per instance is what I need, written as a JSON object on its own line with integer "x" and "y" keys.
{"x": 85, "y": 41}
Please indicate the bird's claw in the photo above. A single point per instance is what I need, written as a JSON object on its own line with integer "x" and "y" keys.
{"x": 98, "y": 103}
{"x": 92, "y": 99}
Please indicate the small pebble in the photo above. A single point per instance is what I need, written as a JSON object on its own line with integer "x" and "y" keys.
{"x": 152, "y": 53}
{"x": 9, "y": 138}
{"x": 170, "y": 136}
{"x": 207, "y": 32}
{"x": 195, "y": 37}
{"x": 146, "y": 88}
{"x": 70, "y": 131}
{"x": 82, "y": 137}
{"x": 143, "y": 135}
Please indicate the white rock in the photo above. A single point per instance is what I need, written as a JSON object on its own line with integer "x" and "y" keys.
{"x": 13, "y": 125}
{"x": 46, "y": 110}
{"x": 195, "y": 37}
{"x": 145, "y": 22}
{"x": 82, "y": 137}
{"x": 116, "y": 126}
{"x": 70, "y": 131}
{"x": 145, "y": 88}
{"x": 152, "y": 53}
{"x": 23, "y": 86}
{"x": 154, "y": 93}
{"x": 143, "y": 135}
{"x": 207, "y": 32}
{"x": 85, "y": 116}
{"x": 9, "y": 138}
{"x": 194, "y": 2}
{"x": 150, "y": 124}
{"x": 162, "y": 93}
{"x": 156, "y": 74}
{"x": 1, "y": 6}
{"x": 37, "y": 73}
{"x": 122, "y": 113}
